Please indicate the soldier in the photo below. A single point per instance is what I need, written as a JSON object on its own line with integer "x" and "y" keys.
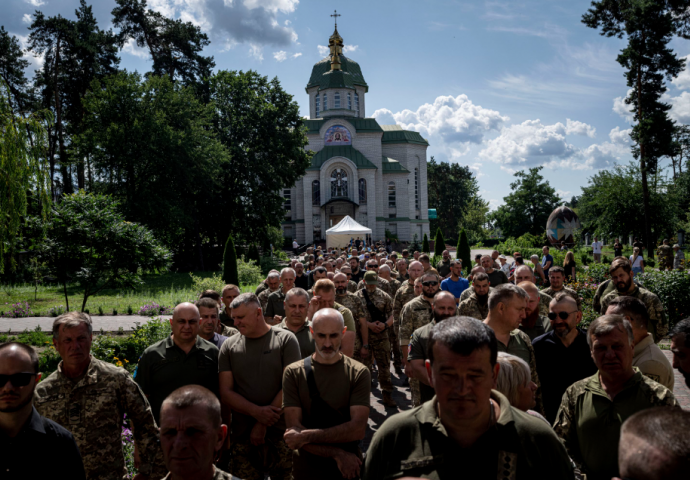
{"x": 273, "y": 282}
{"x": 393, "y": 287}
{"x": 507, "y": 308}
{"x": 405, "y": 293}
{"x": 324, "y": 297}
{"x": 469, "y": 425}
{"x": 588, "y": 421}
{"x": 208, "y": 322}
{"x": 326, "y": 402}
{"x": 301, "y": 278}
{"x": 90, "y": 398}
{"x": 373, "y": 266}
{"x": 379, "y": 311}
{"x": 680, "y": 346}
{"x": 443, "y": 267}
{"x": 443, "y": 306}
{"x": 477, "y": 305}
{"x": 401, "y": 268}
{"x": 347, "y": 271}
{"x": 468, "y": 292}
{"x": 274, "y": 308}
{"x": 183, "y": 358}
{"x": 229, "y": 293}
{"x": 523, "y": 273}
{"x": 622, "y": 277}
{"x": 251, "y": 369}
{"x": 534, "y": 324}
{"x": 353, "y": 303}
{"x": 557, "y": 278}
{"x": 426, "y": 264}
{"x": 319, "y": 273}
{"x": 296, "y": 304}
{"x": 23, "y": 432}
{"x": 562, "y": 355}
{"x": 192, "y": 408}
{"x": 496, "y": 277}
{"x": 665, "y": 255}
{"x": 264, "y": 285}
{"x": 647, "y": 356}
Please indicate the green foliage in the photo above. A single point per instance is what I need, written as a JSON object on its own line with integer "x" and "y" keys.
{"x": 391, "y": 237}
{"x": 475, "y": 220}
{"x": 425, "y": 245}
{"x": 253, "y": 253}
{"x": 89, "y": 240}
{"x": 463, "y": 251}
{"x": 269, "y": 263}
{"x": 414, "y": 246}
{"x": 230, "y": 263}
{"x": 529, "y": 241}
{"x": 598, "y": 272}
{"x": 439, "y": 243}
{"x": 249, "y": 272}
{"x": 528, "y": 206}
{"x": 214, "y": 282}
{"x": 672, "y": 288}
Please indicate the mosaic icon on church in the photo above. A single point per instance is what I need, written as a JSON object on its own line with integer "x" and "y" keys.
{"x": 337, "y": 135}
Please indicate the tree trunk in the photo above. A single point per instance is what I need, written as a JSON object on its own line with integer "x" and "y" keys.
{"x": 64, "y": 288}
{"x": 643, "y": 169}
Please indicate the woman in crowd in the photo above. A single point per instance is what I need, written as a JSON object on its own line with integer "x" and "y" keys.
{"x": 538, "y": 270}
{"x": 637, "y": 261}
{"x": 515, "y": 382}
{"x": 569, "y": 267}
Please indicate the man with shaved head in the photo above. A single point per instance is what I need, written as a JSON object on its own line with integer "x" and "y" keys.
{"x": 184, "y": 358}
{"x": 534, "y": 324}
{"x": 523, "y": 273}
{"x": 496, "y": 277}
{"x": 326, "y": 402}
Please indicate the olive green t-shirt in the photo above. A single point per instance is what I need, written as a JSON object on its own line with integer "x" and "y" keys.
{"x": 518, "y": 346}
{"x": 257, "y": 366}
{"x": 418, "y": 350}
{"x": 347, "y": 317}
{"x": 304, "y": 338}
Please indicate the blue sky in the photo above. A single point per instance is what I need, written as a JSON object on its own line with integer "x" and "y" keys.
{"x": 498, "y": 86}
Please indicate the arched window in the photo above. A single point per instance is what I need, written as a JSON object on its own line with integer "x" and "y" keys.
{"x": 356, "y": 104}
{"x": 339, "y": 183}
{"x": 349, "y": 101}
{"x": 416, "y": 188}
{"x": 316, "y": 193}
{"x": 318, "y": 106}
{"x": 362, "y": 191}
{"x": 336, "y": 100}
{"x": 391, "y": 194}
{"x": 325, "y": 102}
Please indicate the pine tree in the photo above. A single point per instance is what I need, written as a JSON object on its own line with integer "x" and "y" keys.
{"x": 425, "y": 245}
{"x": 439, "y": 243}
{"x": 463, "y": 252}
{"x": 230, "y": 274}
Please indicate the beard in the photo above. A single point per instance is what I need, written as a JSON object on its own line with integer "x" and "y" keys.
{"x": 438, "y": 317}
{"x": 341, "y": 290}
{"x": 20, "y": 405}
{"x": 482, "y": 299}
{"x": 624, "y": 286}
{"x": 355, "y": 269}
{"x": 428, "y": 294}
{"x": 562, "y": 332}
{"x": 329, "y": 353}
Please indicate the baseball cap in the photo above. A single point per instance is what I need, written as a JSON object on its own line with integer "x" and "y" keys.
{"x": 371, "y": 278}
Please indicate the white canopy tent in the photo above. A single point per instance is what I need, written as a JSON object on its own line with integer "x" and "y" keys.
{"x": 339, "y": 236}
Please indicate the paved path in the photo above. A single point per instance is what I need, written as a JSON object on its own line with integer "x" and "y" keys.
{"x": 107, "y": 323}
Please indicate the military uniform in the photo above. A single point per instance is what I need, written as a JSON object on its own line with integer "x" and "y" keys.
{"x": 552, "y": 293}
{"x": 275, "y": 304}
{"x": 665, "y": 254}
{"x": 658, "y": 324}
{"x": 392, "y": 332}
{"x": 353, "y": 303}
{"x": 383, "y": 285}
{"x": 303, "y": 335}
{"x": 544, "y": 301}
{"x": 652, "y": 362}
{"x": 228, "y": 331}
{"x": 472, "y": 308}
{"x": 262, "y": 286}
{"x": 379, "y": 343}
{"x": 93, "y": 409}
{"x": 218, "y": 474}
{"x": 225, "y": 318}
{"x": 604, "y": 288}
{"x": 443, "y": 268}
{"x": 469, "y": 291}
{"x": 418, "y": 350}
{"x": 416, "y": 444}
{"x": 542, "y": 326}
{"x": 589, "y": 422}
{"x": 351, "y": 286}
{"x": 404, "y": 294}
{"x": 415, "y": 314}
{"x": 263, "y": 298}
{"x": 520, "y": 345}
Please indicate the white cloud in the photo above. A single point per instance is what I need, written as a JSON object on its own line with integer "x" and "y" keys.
{"x": 620, "y": 137}
{"x": 280, "y": 56}
{"x": 563, "y": 193}
{"x": 682, "y": 81}
{"x": 256, "y": 52}
{"x": 350, "y": 48}
{"x": 680, "y": 107}
{"x": 298, "y": 54}
{"x": 454, "y": 119}
{"x": 477, "y": 168}
{"x": 131, "y": 48}
{"x": 573, "y": 127}
{"x": 284, "y": 6}
{"x": 27, "y": 19}
{"x": 623, "y": 109}
{"x": 35, "y": 3}
{"x": 323, "y": 50}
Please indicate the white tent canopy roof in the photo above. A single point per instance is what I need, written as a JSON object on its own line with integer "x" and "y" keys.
{"x": 340, "y": 234}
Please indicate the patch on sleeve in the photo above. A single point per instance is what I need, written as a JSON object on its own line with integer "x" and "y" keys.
{"x": 656, "y": 378}
{"x": 507, "y": 465}
{"x": 421, "y": 462}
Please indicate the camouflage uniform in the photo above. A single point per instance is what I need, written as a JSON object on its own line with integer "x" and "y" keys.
{"x": 393, "y": 332}
{"x": 379, "y": 343}
{"x": 469, "y": 291}
{"x": 351, "y": 286}
{"x": 383, "y": 285}
{"x": 225, "y": 317}
{"x": 263, "y": 298}
{"x": 403, "y": 295}
{"x": 262, "y": 286}
{"x": 218, "y": 474}
{"x": 552, "y": 293}
{"x": 93, "y": 410}
{"x": 658, "y": 325}
{"x": 588, "y": 422}
{"x": 229, "y": 331}
{"x": 665, "y": 255}
{"x": 354, "y": 304}
{"x": 415, "y": 314}
{"x": 472, "y": 308}
{"x": 604, "y": 288}
{"x": 544, "y": 301}
{"x": 280, "y": 461}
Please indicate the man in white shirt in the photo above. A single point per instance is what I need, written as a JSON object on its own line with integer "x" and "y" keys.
{"x": 596, "y": 250}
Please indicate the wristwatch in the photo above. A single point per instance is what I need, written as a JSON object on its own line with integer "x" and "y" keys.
{"x": 366, "y": 345}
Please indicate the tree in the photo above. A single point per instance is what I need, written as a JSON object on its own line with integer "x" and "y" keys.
{"x": 451, "y": 188}
{"x": 681, "y": 150}
{"x": 23, "y": 167}
{"x": 528, "y": 207}
{"x": 463, "y": 252}
{"x": 260, "y": 125}
{"x": 12, "y": 67}
{"x": 439, "y": 243}
{"x": 87, "y": 239}
{"x": 649, "y": 26}
{"x": 425, "y": 245}
{"x": 475, "y": 220}
{"x": 230, "y": 274}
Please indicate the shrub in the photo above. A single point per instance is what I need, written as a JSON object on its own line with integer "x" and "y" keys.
{"x": 672, "y": 288}
{"x": 425, "y": 245}
{"x": 214, "y": 282}
{"x": 249, "y": 272}
{"x": 464, "y": 253}
{"x": 19, "y": 310}
{"x": 269, "y": 263}
{"x": 598, "y": 272}
{"x": 230, "y": 262}
{"x": 414, "y": 246}
{"x": 439, "y": 243}
{"x": 153, "y": 310}
{"x": 56, "y": 311}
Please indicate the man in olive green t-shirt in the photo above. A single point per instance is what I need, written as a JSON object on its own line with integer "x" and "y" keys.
{"x": 251, "y": 368}
{"x": 324, "y": 297}
{"x": 295, "y": 321}
{"x": 327, "y": 419}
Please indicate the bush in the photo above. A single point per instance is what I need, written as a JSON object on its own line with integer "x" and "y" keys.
{"x": 153, "y": 310}
{"x": 439, "y": 243}
{"x": 56, "y": 311}
{"x": 269, "y": 263}
{"x": 425, "y": 245}
{"x": 19, "y": 310}
{"x": 414, "y": 246}
{"x": 249, "y": 272}
{"x": 672, "y": 288}
{"x": 598, "y": 272}
{"x": 199, "y": 284}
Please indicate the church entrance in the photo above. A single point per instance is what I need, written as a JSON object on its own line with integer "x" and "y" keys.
{"x": 336, "y": 211}
{"x": 334, "y": 220}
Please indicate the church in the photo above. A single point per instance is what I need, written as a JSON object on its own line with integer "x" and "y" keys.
{"x": 376, "y": 174}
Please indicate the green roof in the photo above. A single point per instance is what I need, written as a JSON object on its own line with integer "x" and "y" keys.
{"x": 323, "y": 77}
{"x": 392, "y": 166}
{"x": 346, "y": 151}
{"x": 395, "y": 134}
{"x": 365, "y": 125}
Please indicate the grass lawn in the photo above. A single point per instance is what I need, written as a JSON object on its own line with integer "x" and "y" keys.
{"x": 167, "y": 290}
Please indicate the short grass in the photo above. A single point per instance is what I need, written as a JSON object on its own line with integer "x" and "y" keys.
{"x": 167, "y": 289}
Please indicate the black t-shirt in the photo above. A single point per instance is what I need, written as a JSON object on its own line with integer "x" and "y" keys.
{"x": 617, "y": 249}
{"x": 569, "y": 270}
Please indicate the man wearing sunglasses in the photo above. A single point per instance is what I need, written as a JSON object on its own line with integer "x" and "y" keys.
{"x": 373, "y": 266}
{"x": 23, "y": 432}
{"x": 563, "y": 356}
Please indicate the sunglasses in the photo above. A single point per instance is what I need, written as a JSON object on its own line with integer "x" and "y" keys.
{"x": 563, "y": 315}
{"x": 430, "y": 284}
{"x": 372, "y": 266}
{"x": 16, "y": 379}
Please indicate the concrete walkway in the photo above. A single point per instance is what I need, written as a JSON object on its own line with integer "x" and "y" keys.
{"x": 107, "y": 323}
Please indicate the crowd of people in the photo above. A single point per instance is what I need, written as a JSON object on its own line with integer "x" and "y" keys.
{"x": 278, "y": 383}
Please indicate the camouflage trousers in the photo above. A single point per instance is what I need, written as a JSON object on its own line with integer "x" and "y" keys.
{"x": 415, "y": 392}
{"x": 241, "y": 466}
{"x": 395, "y": 345}
{"x": 381, "y": 352}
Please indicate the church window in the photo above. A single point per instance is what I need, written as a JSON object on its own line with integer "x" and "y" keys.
{"x": 325, "y": 102}
{"x": 338, "y": 183}
{"x": 287, "y": 202}
{"x": 362, "y": 191}
{"x": 318, "y": 106}
{"x": 356, "y": 104}
{"x": 336, "y": 100}
{"x": 316, "y": 220}
{"x": 391, "y": 194}
{"x": 416, "y": 188}
{"x": 349, "y": 101}
{"x": 316, "y": 193}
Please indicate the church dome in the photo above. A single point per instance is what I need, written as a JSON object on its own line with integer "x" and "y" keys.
{"x": 336, "y": 70}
